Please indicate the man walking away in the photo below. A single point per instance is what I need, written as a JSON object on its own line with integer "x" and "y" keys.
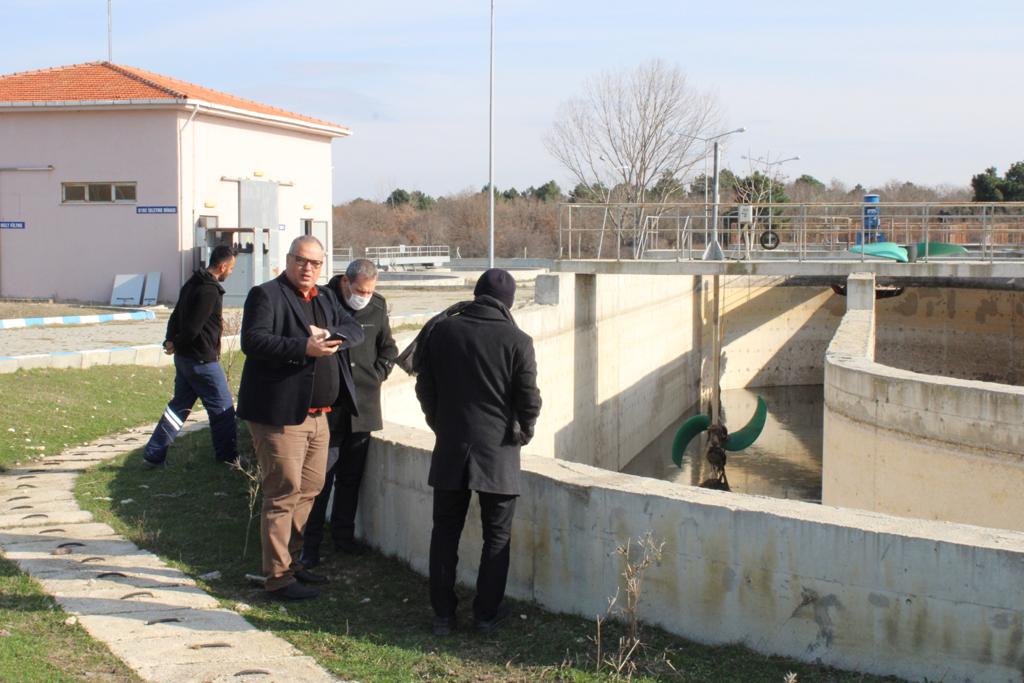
{"x": 371, "y": 363}
{"x": 478, "y": 390}
{"x": 295, "y": 339}
{"x": 193, "y": 337}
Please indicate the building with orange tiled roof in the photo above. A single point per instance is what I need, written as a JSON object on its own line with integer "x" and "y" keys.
{"x": 111, "y": 169}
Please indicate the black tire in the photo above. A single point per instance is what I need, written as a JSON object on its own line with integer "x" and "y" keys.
{"x": 769, "y": 240}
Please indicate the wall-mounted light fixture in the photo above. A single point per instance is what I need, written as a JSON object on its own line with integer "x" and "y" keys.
{"x": 307, "y": 207}
{"x": 210, "y": 205}
{"x": 258, "y": 173}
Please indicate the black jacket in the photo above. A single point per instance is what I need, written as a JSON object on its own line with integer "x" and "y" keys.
{"x": 277, "y": 378}
{"x": 197, "y": 322}
{"x": 478, "y": 390}
{"x": 371, "y": 362}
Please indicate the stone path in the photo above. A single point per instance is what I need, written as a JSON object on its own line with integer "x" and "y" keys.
{"x": 150, "y": 615}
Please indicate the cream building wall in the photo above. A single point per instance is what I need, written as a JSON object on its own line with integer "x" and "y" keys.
{"x": 214, "y": 148}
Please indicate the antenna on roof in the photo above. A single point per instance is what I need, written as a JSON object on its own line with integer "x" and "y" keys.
{"x": 110, "y": 33}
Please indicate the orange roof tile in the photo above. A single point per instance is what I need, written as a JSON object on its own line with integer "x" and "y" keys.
{"x": 105, "y": 82}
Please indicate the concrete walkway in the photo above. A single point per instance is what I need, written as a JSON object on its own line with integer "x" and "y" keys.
{"x": 150, "y": 615}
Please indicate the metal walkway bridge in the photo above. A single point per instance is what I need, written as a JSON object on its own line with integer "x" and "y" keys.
{"x": 988, "y": 233}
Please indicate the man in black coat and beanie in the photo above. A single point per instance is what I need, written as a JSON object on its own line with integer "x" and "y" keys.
{"x": 478, "y": 389}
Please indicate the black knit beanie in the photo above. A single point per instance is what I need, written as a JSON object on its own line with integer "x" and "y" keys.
{"x": 497, "y": 283}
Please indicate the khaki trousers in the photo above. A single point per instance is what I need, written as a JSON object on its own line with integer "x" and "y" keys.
{"x": 293, "y": 460}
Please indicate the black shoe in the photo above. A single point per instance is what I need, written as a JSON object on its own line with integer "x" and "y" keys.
{"x": 153, "y": 464}
{"x": 293, "y": 591}
{"x": 443, "y": 626}
{"x": 487, "y": 626}
{"x": 308, "y": 577}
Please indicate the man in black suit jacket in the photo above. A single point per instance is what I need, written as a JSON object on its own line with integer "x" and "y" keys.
{"x": 295, "y": 338}
{"x": 478, "y": 390}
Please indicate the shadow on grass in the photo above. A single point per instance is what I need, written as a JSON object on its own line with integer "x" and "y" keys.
{"x": 372, "y": 620}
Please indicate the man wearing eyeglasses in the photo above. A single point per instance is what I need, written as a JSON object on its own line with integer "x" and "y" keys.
{"x": 295, "y": 337}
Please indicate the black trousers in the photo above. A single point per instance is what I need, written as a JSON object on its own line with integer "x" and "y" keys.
{"x": 496, "y": 513}
{"x": 345, "y": 477}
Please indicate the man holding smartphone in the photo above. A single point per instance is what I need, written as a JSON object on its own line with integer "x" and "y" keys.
{"x": 295, "y": 338}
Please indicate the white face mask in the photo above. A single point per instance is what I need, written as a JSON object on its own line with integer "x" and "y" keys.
{"x": 356, "y": 302}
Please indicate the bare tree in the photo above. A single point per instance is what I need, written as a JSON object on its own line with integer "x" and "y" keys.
{"x": 628, "y": 131}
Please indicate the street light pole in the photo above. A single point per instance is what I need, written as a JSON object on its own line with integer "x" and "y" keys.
{"x": 490, "y": 176}
{"x": 713, "y": 251}
{"x": 768, "y": 165}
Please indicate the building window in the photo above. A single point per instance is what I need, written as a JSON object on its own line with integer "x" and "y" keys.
{"x": 98, "y": 193}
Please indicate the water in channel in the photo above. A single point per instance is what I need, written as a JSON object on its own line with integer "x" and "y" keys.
{"x": 784, "y": 462}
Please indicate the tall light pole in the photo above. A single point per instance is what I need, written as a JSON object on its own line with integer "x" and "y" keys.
{"x": 713, "y": 251}
{"x": 490, "y": 174}
{"x": 110, "y": 32}
{"x": 768, "y": 165}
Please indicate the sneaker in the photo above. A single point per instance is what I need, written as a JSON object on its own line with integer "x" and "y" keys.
{"x": 293, "y": 591}
{"x": 443, "y": 626}
{"x": 308, "y": 577}
{"x": 486, "y": 626}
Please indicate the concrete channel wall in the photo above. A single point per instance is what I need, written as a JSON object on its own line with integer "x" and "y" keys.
{"x": 774, "y": 334}
{"x": 918, "y": 445}
{"x": 851, "y": 588}
{"x": 618, "y": 361}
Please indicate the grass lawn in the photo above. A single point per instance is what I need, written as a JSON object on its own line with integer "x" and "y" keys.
{"x": 45, "y": 411}
{"x": 371, "y": 622}
{"x": 36, "y": 644}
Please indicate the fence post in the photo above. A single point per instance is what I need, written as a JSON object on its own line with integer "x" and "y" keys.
{"x": 927, "y": 234}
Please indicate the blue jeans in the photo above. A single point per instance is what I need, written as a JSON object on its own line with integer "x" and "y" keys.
{"x": 194, "y": 379}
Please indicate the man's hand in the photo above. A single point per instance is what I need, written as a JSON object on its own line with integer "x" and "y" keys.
{"x": 169, "y": 347}
{"x": 317, "y": 344}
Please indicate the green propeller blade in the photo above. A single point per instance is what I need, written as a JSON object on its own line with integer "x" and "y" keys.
{"x": 748, "y": 434}
{"x": 689, "y": 429}
{"x": 737, "y": 440}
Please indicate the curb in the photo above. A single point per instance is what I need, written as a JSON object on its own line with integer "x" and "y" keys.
{"x": 153, "y": 617}
{"x": 15, "y": 323}
{"x": 150, "y": 355}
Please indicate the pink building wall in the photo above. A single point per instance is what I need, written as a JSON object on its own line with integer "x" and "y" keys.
{"x": 73, "y": 251}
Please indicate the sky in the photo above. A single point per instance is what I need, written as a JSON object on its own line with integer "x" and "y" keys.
{"x": 922, "y": 91}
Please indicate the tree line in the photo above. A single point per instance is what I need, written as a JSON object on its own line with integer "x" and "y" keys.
{"x": 631, "y": 136}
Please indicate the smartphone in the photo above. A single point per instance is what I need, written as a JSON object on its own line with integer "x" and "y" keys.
{"x": 335, "y": 337}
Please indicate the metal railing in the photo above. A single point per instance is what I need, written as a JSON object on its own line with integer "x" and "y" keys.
{"x": 988, "y": 231}
{"x": 409, "y": 256}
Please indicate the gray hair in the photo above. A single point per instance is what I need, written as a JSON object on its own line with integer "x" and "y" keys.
{"x": 361, "y": 268}
{"x": 304, "y": 239}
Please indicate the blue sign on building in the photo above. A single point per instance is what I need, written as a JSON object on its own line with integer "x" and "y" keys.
{"x": 156, "y": 209}
{"x": 12, "y": 225}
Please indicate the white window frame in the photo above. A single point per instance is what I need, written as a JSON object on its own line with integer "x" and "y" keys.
{"x": 113, "y": 192}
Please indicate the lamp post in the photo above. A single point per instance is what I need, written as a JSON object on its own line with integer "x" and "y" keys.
{"x": 713, "y": 251}
{"x": 490, "y": 159}
{"x": 768, "y": 166}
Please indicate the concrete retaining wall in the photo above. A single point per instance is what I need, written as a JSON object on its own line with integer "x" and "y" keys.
{"x": 853, "y": 589}
{"x": 647, "y": 337}
{"x": 918, "y": 445}
{"x": 963, "y": 333}
{"x": 773, "y": 335}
